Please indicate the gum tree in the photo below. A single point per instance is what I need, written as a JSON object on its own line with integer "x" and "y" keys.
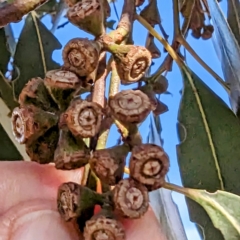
{"x": 62, "y": 114}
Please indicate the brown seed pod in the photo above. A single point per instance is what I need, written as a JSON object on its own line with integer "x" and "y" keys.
{"x": 84, "y": 118}
{"x": 73, "y": 199}
{"x": 42, "y": 150}
{"x": 147, "y": 89}
{"x": 130, "y": 198}
{"x": 35, "y": 93}
{"x": 196, "y": 33}
{"x": 70, "y": 153}
{"x": 81, "y": 55}
{"x": 108, "y": 164}
{"x": 132, "y": 62}
{"x": 130, "y": 106}
{"x": 62, "y": 85}
{"x": 148, "y": 165}
{"x": 207, "y": 32}
{"x": 29, "y": 123}
{"x": 102, "y": 227}
{"x": 160, "y": 85}
{"x": 88, "y": 15}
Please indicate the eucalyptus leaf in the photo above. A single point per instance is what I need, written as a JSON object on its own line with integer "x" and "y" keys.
{"x": 33, "y": 56}
{"x": 4, "y": 52}
{"x": 209, "y": 152}
{"x": 229, "y": 51}
{"x": 233, "y": 18}
{"x": 222, "y": 207}
{"x": 6, "y": 93}
{"x": 8, "y": 151}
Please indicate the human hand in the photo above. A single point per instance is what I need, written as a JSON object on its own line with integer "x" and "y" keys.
{"x": 28, "y": 209}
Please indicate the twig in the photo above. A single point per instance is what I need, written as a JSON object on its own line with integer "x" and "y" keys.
{"x": 174, "y": 55}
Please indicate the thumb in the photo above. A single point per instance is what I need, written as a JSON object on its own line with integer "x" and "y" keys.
{"x": 28, "y": 208}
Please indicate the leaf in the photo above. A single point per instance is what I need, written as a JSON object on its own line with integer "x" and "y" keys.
{"x": 8, "y": 150}
{"x": 6, "y": 93}
{"x": 222, "y": 207}
{"x": 33, "y": 56}
{"x": 228, "y": 48}
{"x": 209, "y": 153}
{"x": 4, "y": 53}
{"x": 110, "y": 24}
{"x": 233, "y": 18}
{"x": 47, "y": 7}
{"x": 161, "y": 200}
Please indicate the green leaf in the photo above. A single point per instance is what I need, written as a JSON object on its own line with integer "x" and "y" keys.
{"x": 233, "y": 18}
{"x": 229, "y": 52}
{"x": 8, "y": 151}
{"x": 4, "y": 52}
{"x": 6, "y": 93}
{"x": 47, "y": 7}
{"x": 209, "y": 152}
{"x": 33, "y": 56}
{"x": 222, "y": 207}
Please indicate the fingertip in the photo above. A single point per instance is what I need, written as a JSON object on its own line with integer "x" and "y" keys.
{"x": 145, "y": 228}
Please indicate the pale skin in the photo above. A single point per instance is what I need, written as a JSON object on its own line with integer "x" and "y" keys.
{"x": 28, "y": 206}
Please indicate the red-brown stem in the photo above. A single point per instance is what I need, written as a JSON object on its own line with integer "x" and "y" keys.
{"x": 99, "y": 86}
{"x": 125, "y": 24}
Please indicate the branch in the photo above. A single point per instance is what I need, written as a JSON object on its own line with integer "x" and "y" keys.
{"x": 15, "y": 11}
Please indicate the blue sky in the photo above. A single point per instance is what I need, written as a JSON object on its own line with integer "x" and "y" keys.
{"x": 204, "y": 49}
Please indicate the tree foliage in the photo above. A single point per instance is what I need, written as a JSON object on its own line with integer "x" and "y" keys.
{"x": 208, "y": 129}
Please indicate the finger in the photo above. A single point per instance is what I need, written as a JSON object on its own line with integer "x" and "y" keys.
{"x": 24, "y": 181}
{"x": 36, "y": 219}
{"x": 144, "y": 228}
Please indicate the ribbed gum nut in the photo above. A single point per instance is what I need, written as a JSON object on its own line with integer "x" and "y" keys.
{"x": 130, "y": 198}
{"x": 84, "y": 118}
{"x": 29, "y": 123}
{"x": 151, "y": 14}
{"x": 132, "y": 66}
{"x": 101, "y": 228}
{"x": 148, "y": 165}
{"x": 88, "y": 15}
{"x": 62, "y": 85}
{"x": 81, "y": 55}
{"x": 70, "y": 153}
{"x": 207, "y": 32}
{"x": 73, "y": 198}
{"x": 42, "y": 150}
{"x": 152, "y": 48}
{"x": 108, "y": 164}
{"x": 130, "y": 106}
{"x": 160, "y": 85}
{"x": 35, "y": 93}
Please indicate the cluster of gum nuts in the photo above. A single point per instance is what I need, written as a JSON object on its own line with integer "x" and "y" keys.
{"x": 55, "y": 122}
